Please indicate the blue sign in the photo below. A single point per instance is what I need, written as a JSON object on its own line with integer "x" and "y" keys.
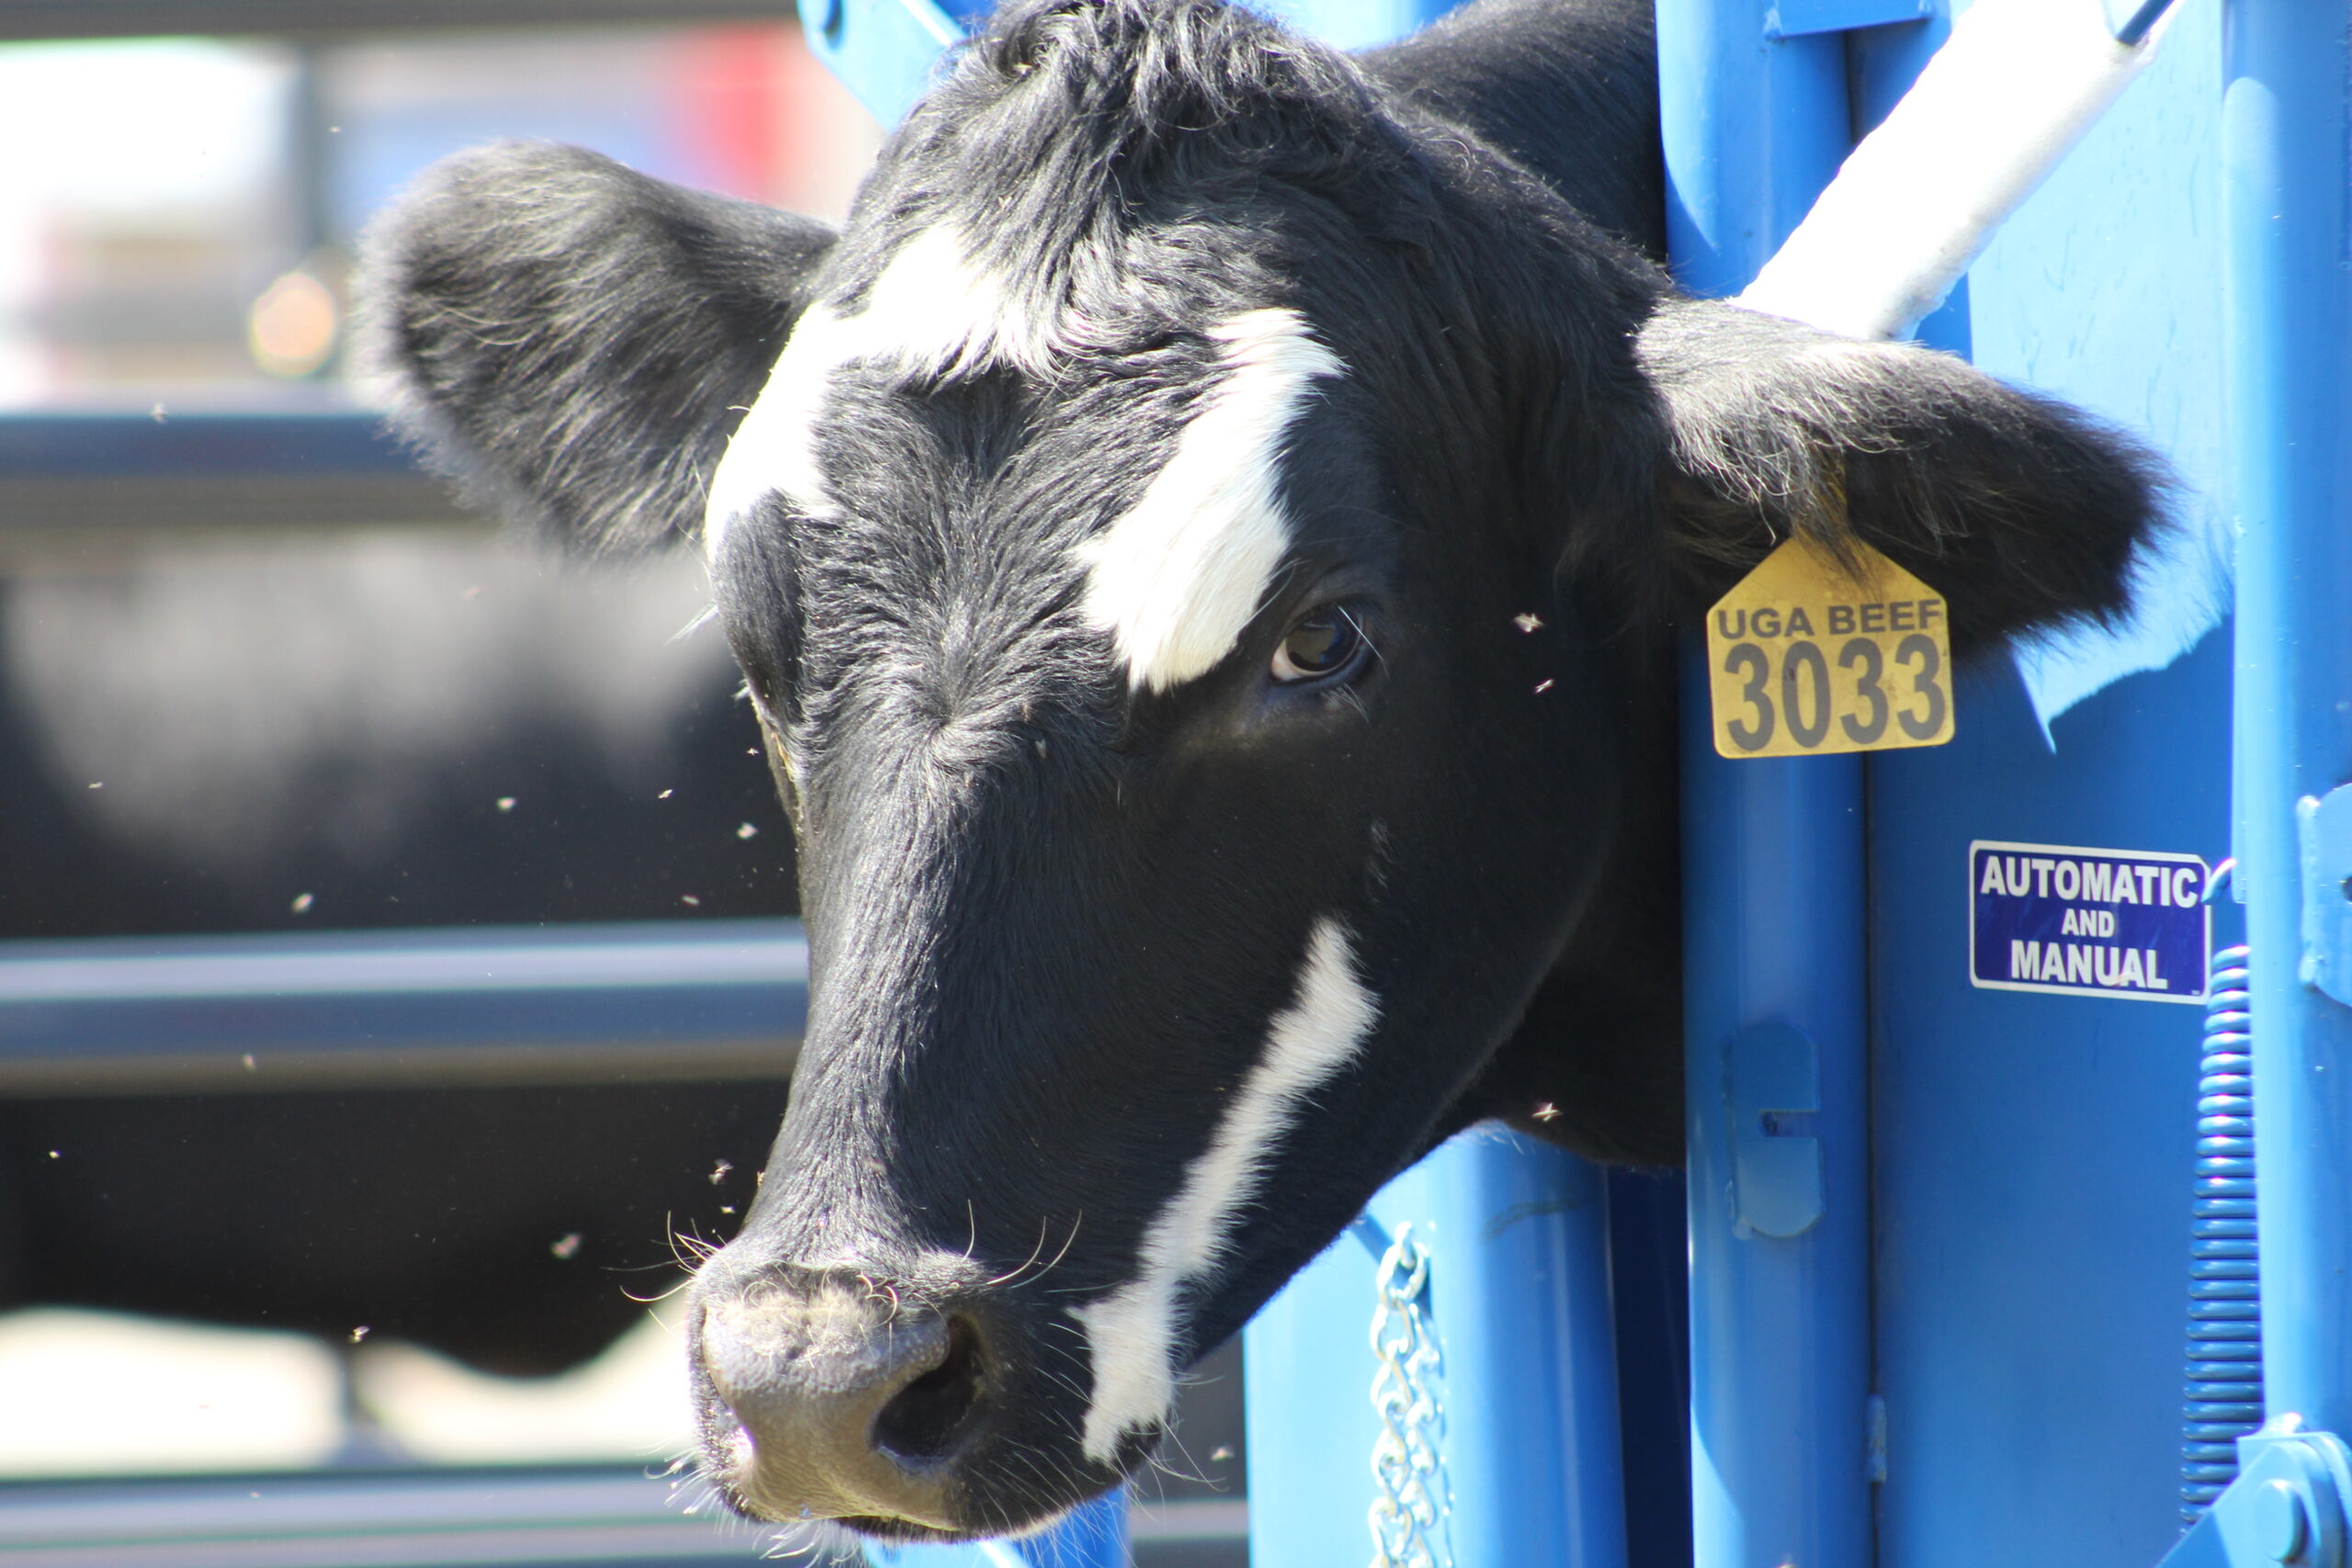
{"x": 2084, "y": 922}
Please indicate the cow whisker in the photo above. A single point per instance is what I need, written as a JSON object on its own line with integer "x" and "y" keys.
{"x": 790, "y": 1545}
{"x": 1068, "y": 1242}
{"x": 1192, "y": 1473}
{"x": 658, "y": 1297}
{"x": 689, "y": 1250}
{"x": 695, "y": 1251}
{"x": 1057, "y": 1257}
{"x": 1035, "y": 1253}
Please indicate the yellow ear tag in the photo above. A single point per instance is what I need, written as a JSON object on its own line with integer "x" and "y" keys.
{"x": 1810, "y": 655}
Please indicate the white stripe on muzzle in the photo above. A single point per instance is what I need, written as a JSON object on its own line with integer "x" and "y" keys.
{"x": 1131, "y": 1333}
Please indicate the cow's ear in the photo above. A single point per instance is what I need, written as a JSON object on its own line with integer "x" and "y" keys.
{"x": 2023, "y": 513}
{"x": 573, "y": 342}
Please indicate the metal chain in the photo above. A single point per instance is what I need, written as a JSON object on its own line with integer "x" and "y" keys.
{"x": 1411, "y": 1497}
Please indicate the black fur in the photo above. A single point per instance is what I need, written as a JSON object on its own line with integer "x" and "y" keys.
{"x": 1051, "y": 918}
{"x": 1973, "y": 485}
{"x": 275, "y": 720}
{"x": 564, "y": 337}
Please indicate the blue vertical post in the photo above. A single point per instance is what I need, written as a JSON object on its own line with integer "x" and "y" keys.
{"x": 1523, "y": 1315}
{"x": 2284, "y": 127}
{"x": 1773, "y": 935}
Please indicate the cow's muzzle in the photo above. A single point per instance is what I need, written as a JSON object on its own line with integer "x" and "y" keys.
{"x": 847, "y": 1400}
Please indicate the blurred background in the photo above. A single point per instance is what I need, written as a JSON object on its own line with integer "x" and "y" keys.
{"x": 397, "y": 969}
{"x": 176, "y": 222}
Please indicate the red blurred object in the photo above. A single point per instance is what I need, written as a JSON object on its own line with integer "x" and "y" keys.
{"x": 732, "y": 95}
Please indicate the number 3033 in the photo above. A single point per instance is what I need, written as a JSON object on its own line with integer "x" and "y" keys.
{"x": 1852, "y": 707}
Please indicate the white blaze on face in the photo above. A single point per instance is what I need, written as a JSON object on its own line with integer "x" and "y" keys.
{"x": 929, "y": 313}
{"x": 1176, "y": 577}
{"x": 1131, "y": 1333}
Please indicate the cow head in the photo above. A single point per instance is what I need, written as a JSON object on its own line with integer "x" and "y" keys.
{"x": 1204, "y": 547}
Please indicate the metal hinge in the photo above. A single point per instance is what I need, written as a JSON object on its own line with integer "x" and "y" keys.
{"x": 2285, "y": 1508}
{"x": 2325, "y": 829}
{"x": 1772, "y": 1085}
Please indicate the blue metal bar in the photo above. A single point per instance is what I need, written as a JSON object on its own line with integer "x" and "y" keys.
{"x": 2285, "y": 179}
{"x": 1524, "y": 1309}
{"x": 1779, "y": 1323}
{"x": 2137, "y": 20}
{"x": 1754, "y": 129}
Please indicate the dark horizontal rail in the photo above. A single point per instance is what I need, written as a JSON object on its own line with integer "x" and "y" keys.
{"x": 314, "y": 18}
{"x": 670, "y": 1002}
{"x": 208, "y": 445}
{"x": 393, "y": 1519}
{"x": 387, "y": 1519}
{"x": 87, "y": 477}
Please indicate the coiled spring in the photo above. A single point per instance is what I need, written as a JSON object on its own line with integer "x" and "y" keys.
{"x": 2223, "y": 1394}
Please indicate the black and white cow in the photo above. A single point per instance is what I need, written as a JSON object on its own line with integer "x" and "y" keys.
{"x": 1207, "y": 557}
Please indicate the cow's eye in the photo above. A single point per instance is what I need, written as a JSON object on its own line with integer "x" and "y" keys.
{"x": 1319, "y": 644}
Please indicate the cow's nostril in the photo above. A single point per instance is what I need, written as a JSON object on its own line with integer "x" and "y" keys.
{"x": 921, "y": 1422}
